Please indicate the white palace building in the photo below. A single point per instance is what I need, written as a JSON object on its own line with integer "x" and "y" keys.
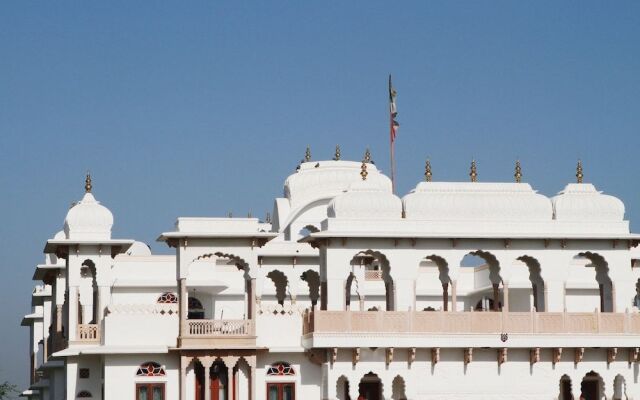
{"x": 458, "y": 290}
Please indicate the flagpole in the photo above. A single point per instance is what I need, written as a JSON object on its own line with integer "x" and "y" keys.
{"x": 393, "y": 158}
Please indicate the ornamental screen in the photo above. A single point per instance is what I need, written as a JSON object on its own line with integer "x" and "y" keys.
{"x": 168, "y": 298}
{"x": 150, "y": 369}
{"x": 280, "y": 369}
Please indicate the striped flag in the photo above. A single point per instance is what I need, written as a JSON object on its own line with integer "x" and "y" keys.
{"x": 393, "y": 111}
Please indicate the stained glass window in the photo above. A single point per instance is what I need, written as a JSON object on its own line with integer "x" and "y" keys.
{"x": 168, "y": 298}
{"x": 150, "y": 369}
{"x": 280, "y": 369}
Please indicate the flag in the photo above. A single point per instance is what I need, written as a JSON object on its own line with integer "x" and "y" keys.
{"x": 393, "y": 111}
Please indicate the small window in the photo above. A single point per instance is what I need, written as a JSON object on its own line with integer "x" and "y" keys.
{"x": 151, "y": 369}
{"x": 84, "y": 373}
{"x": 84, "y": 395}
{"x": 280, "y": 369}
{"x": 168, "y": 298}
{"x": 149, "y": 391}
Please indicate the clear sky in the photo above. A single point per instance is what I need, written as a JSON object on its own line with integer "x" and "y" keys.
{"x": 198, "y": 109}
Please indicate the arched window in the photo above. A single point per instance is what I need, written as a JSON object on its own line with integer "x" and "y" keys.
{"x": 84, "y": 395}
{"x": 167, "y": 298}
{"x": 150, "y": 369}
{"x": 280, "y": 369}
{"x": 196, "y": 311}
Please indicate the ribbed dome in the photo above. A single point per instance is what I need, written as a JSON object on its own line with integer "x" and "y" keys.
{"x": 365, "y": 199}
{"x": 322, "y": 179}
{"x": 88, "y": 220}
{"x": 476, "y": 201}
{"x": 582, "y": 202}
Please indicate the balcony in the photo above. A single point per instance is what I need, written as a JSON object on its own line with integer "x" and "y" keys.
{"x": 88, "y": 333}
{"x": 470, "y": 329}
{"x": 218, "y": 333}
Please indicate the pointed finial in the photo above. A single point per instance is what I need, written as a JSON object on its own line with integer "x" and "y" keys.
{"x": 579, "y": 173}
{"x": 336, "y": 156}
{"x": 518, "y": 173}
{"x": 474, "y": 172}
{"x": 367, "y": 156}
{"x": 268, "y": 218}
{"x": 307, "y": 155}
{"x": 428, "y": 175}
{"x": 87, "y": 183}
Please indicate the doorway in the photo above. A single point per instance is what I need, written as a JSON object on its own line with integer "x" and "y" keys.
{"x": 370, "y": 387}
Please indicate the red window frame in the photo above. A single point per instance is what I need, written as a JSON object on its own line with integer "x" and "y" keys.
{"x": 150, "y": 386}
{"x": 280, "y": 386}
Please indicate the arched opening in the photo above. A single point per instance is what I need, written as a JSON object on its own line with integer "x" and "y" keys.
{"x": 398, "y": 389}
{"x": 313, "y": 282}
{"x": 218, "y": 381}
{"x": 280, "y": 282}
{"x": 89, "y": 315}
{"x": 370, "y": 387}
{"x": 352, "y": 291}
{"x": 488, "y": 269}
{"x": 565, "y": 388}
{"x": 605, "y": 285}
{"x": 196, "y": 310}
{"x": 592, "y": 386}
{"x": 636, "y": 299}
{"x": 84, "y": 395}
{"x": 537, "y": 283}
{"x": 375, "y": 261}
{"x": 619, "y": 388}
{"x": 342, "y": 388}
{"x": 445, "y": 280}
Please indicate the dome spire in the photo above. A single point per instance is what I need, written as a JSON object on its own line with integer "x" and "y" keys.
{"x": 336, "y": 156}
{"x": 579, "y": 173}
{"x": 518, "y": 173}
{"x": 87, "y": 183}
{"x": 427, "y": 171}
{"x": 474, "y": 171}
{"x": 363, "y": 167}
{"x": 307, "y": 154}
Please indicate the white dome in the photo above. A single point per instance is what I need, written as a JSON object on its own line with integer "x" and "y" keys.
{"x": 365, "y": 199}
{"x": 326, "y": 179}
{"x": 139, "y": 249}
{"x": 88, "y": 220}
{"x": 582, "y": 202}
{"x": 476, "y": 201}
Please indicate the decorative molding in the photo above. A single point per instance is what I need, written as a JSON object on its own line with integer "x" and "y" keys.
{"x": 579, "y": 355}
{"x": 316, "y": 356}
{"x": 534, "y": 355}
{"x": 280, "y": 309}
{"x": 435, "y": 355}
{"x": 502, "y": 356}
{"x": 389, "y": 355}
{"x": 612, "y": 353}
{"x": 142, "y": 309}
{"x": 557, "y": 355}
{"x": 468, "y": 355}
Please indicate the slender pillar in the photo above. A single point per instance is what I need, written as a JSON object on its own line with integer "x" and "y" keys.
{"x": 183, "y": 305}
{"x": 505, "y": 294}
{"x": 207, "y": 381}
{"x": 496, "y": 296}
{"x": 454, "y": 297}
{"x": 445, "y": 297}
{"x": 58, "y": 318}
{"x": 252, "y": 383}
{"x": 73, "y": 312}
{"x": 184, "y": 362}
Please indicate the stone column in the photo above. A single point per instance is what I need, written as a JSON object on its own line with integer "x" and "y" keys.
{"x": 183, "y": 305}
{"x": 454, "y": 297}
{"x": 58, "y": 318}
{"x": 252, "y": 382}
{"x": 445, "y": 297}
{"x": 207, "y": 380}
{"x": 496, "y": 296}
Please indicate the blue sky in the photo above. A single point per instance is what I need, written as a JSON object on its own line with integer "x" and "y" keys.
{"x": 201, "y": 108}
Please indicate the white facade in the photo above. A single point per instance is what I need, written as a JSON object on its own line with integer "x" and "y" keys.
{"x": 457, "y": 290}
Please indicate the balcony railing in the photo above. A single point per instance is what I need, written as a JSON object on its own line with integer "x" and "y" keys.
{"x": 471, "y": 322}
{"x": 219, "y": 327}
{"x": 88, "y": 333}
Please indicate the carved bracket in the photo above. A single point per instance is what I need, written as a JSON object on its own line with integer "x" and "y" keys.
{"x": 502, "y": 356}
{"x": 557, "y": 355}
{"x": 611, "y": 354}
{"x": 412, "y": 355}
{"x": 579, "y": 354}
{"x": 389, "y": 355}
{"x": 634, "y": 352}
{"x": 435, "y": 355}
{"x": 468, "y": 355}
{"x": 334, "y": 355}
{"x": 534, "y": 355}
{"x": 316, "y": 356}
{"x": 356, "y": 355}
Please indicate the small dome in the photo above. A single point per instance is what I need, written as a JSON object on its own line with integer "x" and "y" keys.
{"x": 476, "y": 201}
{"x": 139, "y": 249}
{"x": 88, "y": 220}
{"x": 366, "y": 199}
{"x": 582, "y": 202}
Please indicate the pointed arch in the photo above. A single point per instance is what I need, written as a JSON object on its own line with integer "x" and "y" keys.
{"x": 603, "y": 279}
{"x": 445, "y": 279}
{"x": 494, "y": 276}
{"x": 537, "y": 283}
{"x": 313, "y": 282}
{"x": 592, "y": 386}
{"x": 281, "y": 283}
{"x": 342, "y": 388}
{"x": 619, "y": 388}
{"x": 373, "y": 256}
{"x": 351, "y": 285}
{"x": 398, "y": 388}
{"x": 370, "y": 386}
{"x": 566, "y": 391}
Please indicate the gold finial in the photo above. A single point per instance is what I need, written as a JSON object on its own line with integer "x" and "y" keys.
{"x": 579, "y": 174}
{"x": 518, "y": 174}
{"x": 336, "y": 156}
{"x": 474, "y": 172}
{"x": 307, "y": 155}
{"x": 87, "y": 183}
{"x": 367, "y": 156}
{"x": 427, "y": 171}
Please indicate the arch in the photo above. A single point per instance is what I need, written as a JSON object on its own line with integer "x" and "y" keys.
{"x": 311, "y": 228}
{"x": 342, "y": 388}
{"x": 281, "y": 282}
{"x": 592, "y": 386}
{"x": 602, "y": 277}
{"x": 348, "y": 290}
{"x": 89, "y": 267}
{"x": 566, "y": 391}
{"x": 537, "y": 283}
{"x": 281, "y": 368}
{"x": 84, "y": 395}
{"x": 370, "y": 386}
{"x": 619, "y": 388}
{"x": 195, "y": 309}
{"x": 398, "y": 388}
{"x": 445, "y": 278}
{"x": 150, "y": 368}
{"x": 313, "y": 282}
{"x": 385, "y": 267}
{"x": 636, "y": 299}
{"x": 494, "y": 276}
{"x": 167, "y": 298}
